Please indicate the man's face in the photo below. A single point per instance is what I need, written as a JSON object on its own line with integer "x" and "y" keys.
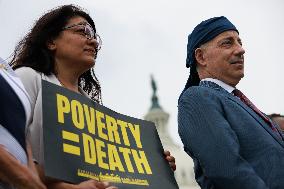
{"x": 224, "y": 58}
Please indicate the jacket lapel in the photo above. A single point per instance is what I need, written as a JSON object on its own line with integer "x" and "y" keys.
{"x": 246, "y": 108}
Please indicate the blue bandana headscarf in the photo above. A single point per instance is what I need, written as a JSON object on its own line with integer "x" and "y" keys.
{"x": 204, "y": 32}
{"x": 201, "y": 34}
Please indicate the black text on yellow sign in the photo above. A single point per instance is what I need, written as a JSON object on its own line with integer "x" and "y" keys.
{"x": 105, "y": 155}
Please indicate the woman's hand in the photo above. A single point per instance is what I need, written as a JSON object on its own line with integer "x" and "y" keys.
{"x": 170, "y": 159}
{"x": 89, "y": 184}
{"x": 93, "y": 184}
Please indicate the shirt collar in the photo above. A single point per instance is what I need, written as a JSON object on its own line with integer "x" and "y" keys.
{"x": 221, "y": 84}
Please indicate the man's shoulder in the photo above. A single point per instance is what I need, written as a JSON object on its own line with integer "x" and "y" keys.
{"x": 197, "y": 92}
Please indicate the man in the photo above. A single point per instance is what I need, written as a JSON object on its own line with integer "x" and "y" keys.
{"x": 232, "y": 143}
{"x": 16, "y": 167}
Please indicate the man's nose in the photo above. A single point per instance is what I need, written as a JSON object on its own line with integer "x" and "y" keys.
{"x": 239, "y": 50}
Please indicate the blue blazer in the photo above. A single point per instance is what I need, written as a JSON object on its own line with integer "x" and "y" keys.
{"x": 232, "y": 147}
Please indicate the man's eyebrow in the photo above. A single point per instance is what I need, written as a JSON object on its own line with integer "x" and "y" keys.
{"x": 224, "y": 39}
{"x": 227, "y": 38}
{"x": 230, "y": 38}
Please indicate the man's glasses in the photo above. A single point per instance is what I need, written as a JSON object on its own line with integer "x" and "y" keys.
{"x": 86, "y": 30}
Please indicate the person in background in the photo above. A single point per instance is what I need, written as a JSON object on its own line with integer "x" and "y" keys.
{"x": 17, "y": 170}
{"x": 278, "y": 119}
{"x": 61, "y": 48}
{"x": 232, "y": 143}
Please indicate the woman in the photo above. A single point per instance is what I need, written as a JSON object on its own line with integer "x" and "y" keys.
{"x": 61, "y": 48}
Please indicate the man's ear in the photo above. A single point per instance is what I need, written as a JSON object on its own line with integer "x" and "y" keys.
{"x": 51, "y": 45}
{"x": 199, "y": 56}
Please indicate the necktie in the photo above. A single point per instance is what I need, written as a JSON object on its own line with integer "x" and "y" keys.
{"x": 245, "y": 100}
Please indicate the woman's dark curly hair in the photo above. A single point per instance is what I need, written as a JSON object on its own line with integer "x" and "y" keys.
{"x": 32, "y": 50}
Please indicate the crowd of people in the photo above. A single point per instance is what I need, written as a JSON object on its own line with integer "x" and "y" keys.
{"x": 233, "y": 144}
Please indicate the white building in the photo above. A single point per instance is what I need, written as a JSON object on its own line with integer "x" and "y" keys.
{"x": 184, "y": 173}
